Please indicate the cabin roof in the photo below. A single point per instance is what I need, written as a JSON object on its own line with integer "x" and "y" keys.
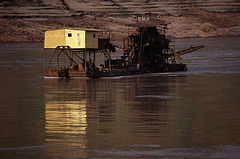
{"x": 78, "y": 29}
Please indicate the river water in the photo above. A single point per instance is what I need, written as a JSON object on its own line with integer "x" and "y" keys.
{"x": 193, "y": 114}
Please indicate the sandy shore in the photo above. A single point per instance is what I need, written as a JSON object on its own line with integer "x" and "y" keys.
{"x": 28, "y": 21}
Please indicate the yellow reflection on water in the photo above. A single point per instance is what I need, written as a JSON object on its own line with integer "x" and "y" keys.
{"x": 66, "y": 118}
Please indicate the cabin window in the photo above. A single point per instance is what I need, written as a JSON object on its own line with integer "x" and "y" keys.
{"x": 94, "y": 35}
{"x": 69, "y": 35}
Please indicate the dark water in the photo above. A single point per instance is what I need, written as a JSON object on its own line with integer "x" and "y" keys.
{"x": 193, "y": 114}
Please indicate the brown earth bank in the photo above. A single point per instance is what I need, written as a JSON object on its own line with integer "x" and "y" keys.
{"x": 26, "y": 20}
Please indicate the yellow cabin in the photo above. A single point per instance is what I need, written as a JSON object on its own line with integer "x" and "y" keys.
{"x": 76, "y": 39}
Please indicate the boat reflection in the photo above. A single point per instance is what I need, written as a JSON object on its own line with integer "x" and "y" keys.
{"x": 66, "y": 116}
{"x": 82, "y": 113}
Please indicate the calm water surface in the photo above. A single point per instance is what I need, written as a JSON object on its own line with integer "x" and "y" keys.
{"x": 193, "y": 114}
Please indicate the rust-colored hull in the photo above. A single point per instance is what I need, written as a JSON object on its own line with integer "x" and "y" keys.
{"x": 114, "y": 72}
{"x": 77, "y": 74}
{"x": 51, "y": 73}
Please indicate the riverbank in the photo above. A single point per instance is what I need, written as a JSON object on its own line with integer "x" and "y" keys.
{"x": 27, "y": 22}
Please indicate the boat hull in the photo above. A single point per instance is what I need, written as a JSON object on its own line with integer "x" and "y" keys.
{"x": 114, "y": 72}
{"x": 126, "y": 72}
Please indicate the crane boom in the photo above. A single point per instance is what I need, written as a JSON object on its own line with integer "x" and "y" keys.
{"x": 191, "y": 49}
